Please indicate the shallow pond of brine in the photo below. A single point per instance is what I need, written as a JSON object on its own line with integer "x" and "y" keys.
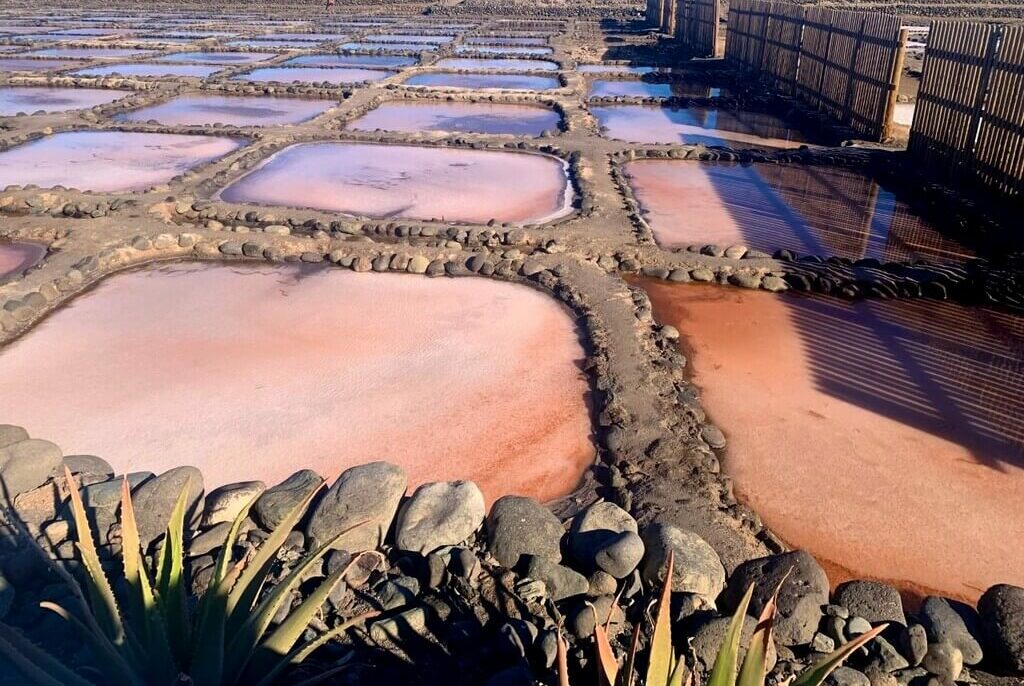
{"x": 519, "y": 120}
{"x": 30, "y": 99}
{"x": 230, "y": 110}
{"x": 17, "y": 256}
{"x": 697, "y": 125}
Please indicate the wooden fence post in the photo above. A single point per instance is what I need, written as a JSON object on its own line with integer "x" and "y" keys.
{"x": 888, "y": 120}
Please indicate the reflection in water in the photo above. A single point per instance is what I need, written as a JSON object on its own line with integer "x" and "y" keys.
{"x": 409, "y": 181}
{"x": 519, "y": 120}
{"x": 17, "y": 256}
{"x": 231, "y": 110}
{"x": 248, "y": 372}
{"x": 503, "y": 81}
{"x": 217, "y": 57}
{"x": 109, "y": 161}
{"x": 351, "y": 61}
{"x": 808, "y": 209}
{"x": 409, "y": 38}
{"x": 87, "y": 53}
{"x": 505, "y": 40}
{"x": 614, "y": 69}
{"x": 883, "y": 436}
{"x": 643, "y": 89}
{"x": 697, "y": 125}
{"x": 151, "y": 69}
{"x": 496, "y": 64}
{"x": 314, "y": 75}
{"x": 418, "y": 47}
{"x": 31, "y": 99}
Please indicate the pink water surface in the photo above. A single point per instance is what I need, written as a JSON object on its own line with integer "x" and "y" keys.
{"x": 338, "y": 75}
{"x": 409, "y": 181}
{"x": 255, "y": 372}
{"x": 232, "y": 110}
{"x": 17, "y": 64}
{"x": 520, "y": 120}
{"x": 697, "y": 125}
{"x": 109, "y": 161}
{"x": 151, "y": 69}
{"x": 17, "y": 256}
{"x": 31, "y": 99}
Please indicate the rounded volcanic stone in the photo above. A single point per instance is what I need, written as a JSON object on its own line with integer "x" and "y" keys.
{"x": 11, "y": 434}
{"x": 1001, "y": 609}
{"x": 88, "y": 464}
{"x": 439, "y": 514}
{"x": 944, "y": 661}
{"x": 800, "y": 600}
{"x": 697, "y": 568}
{"x": 620, "y": 555}
{"x": 953, "y": 622}
{"x": 155, "y": 499}
{"x": 26, "y": 465}
{"x": 368, "y": 496}
{"x": 596, "y": 527}
{"x": 518, "y": 526}
{"x": 709, "y": 638}
{"x": 874, "y": 601}
{"x": 223, "y": 504}
{"x": 560, "y": 581}
{"x": 277, "y": 501}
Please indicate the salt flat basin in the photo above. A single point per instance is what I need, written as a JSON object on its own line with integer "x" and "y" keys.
{"x": 391, "y": 181}
{"x": 88, "y": 53}
{"x": 253, "y": 43}
{"x": 505, "y": 40}
{"x": 109, "y": 161}
{"x": 385, "y": 47}
{"x": 18, "y": 64}
{"x": 309, "y": 37}
{"x": 253, "y": 372}
{"x": 17, "y": 256}
{"x": 882, "y": 436}
{"x": 811, "y": 210}
{"x": 697, "y": 125}
{"x": 502, "y": 50}
{"x": 197, "y": 110}
{"x": 339, "y": 75}
{"x": 496, "y": 64}
{"x": 29, "y": 99}
{"x": 217, "y": 57}
{"x": 643, "y": 89}
{"x": 151, "y": 70}
{"x": 614, "y": 69}
{"x": 518, "y": 120}
{"x": 409, "y": 38}
{"x": 499, "y": 81}
{"x": 385, "y": 61}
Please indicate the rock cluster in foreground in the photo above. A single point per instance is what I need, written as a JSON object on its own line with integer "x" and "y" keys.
{"x": 483, "y": 592}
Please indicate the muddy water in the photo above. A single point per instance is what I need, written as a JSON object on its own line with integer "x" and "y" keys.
{"x": 314, "y": 75}
{"x": 642, "y": 89}
{"x": 519, "y": 120}
{"x": 232, "y": 110}
{"x": 254, "y": 372}
{"x": 351, "y": 61}
{"x": 30, "y": 99}
{"x": 882, "y": 436}
{"x": 413, "y": 182}
{"x": 17, "y": 256}
{"x": 496, "y": 64}
{"x": 151, "y": 69}
{"x": 109, "y": 161}
{"x": 812, "y": 210}
{"x": 696, "y": 125}
{"x": 499, "y": 81}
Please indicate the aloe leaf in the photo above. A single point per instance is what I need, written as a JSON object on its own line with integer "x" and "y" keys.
{"x": 34, "y": 663}
{"x": 323, "y": 676}
{"x": 679, "y": 672}
{"x": 243, "y": 596}
{"x": 608, "y": 667}
{"x": 562, "y": 660}
{"x": 819, "y": 671}
{"x": 659, "y": 663}
{"x": 171, "y": 580}
{"x": 755, "y": 664}
{"x": 103, "y": 603}
{"x": 724, "y": 671}
{"x": 119, "y": 670}
{"x": 290, "y": 630}
{"x": 300, "y": 654}
{"x": 630, "y": 666}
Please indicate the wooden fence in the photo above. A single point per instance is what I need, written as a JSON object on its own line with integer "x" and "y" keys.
{"x": 653, "y": 13}
{"x": 696, "y": 26}
{"x": 969, "y": 119}
{"x": 845, "y": 64}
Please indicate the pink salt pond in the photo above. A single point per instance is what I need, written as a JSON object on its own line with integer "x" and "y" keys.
{"x": 17, "y": 256}
{"x": 336, "y": 76}
{"x": 391, "y": 181}
{"x": 19, "y": 64}
{"x": 87, "y": 53}
{"x": 696, "y": 125}
{"x": 109, "y": 161}
{"x": 882, "y": 436}
{"x": 217, "y": 57}
{"x": 151, "y": 70}
{"x": 197, "y": 110}
{"x": 29, "y": 99}
{"x": 824, "y": 211}
{"x": 253, "y": 372}
{"x": 519, "y": 120}
{"x": 484, "y": 81}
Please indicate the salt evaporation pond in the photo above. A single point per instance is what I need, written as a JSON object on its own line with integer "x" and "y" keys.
{"x": 16, "y": 64}
{"x": 269, "y": 44}
{"x": 308, "y": 37}
{"x": 151, "y": 69}
{"x": 810, "y": 210}
{"x": 253, "y": 372}
{"x": 109, "y": 161}
{"x": 29, "y": 99}
{"x": 217, "y": 57}
{"x": 386, "y": 61}
{"x": 482, "y": 81}
{"x": 496, "y": 64}
{"x": 501, "y": 50}
{"x": 697, "y": 125}
{"x": 17, "y": 256}
{"x": 87, "y": 53}
{"x": 518, "y": 120}
{"x": 339, "y": 75}
{"x": 505, "y": 40}
{"x": 196, "y": 110}
{"x": 614, "y": 69}
{"x": 415, "y": 182}
{"x": 882, "y": 436}
{"x": 409, "y": 38}
{"x": 392, "y": 47}
{"x": 644, "y": 89}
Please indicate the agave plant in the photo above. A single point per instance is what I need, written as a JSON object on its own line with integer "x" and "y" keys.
{"x": 666, "y": 668}
{"x": 152, "y": 635}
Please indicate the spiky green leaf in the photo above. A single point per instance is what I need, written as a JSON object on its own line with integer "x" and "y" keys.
{"x": 819, "y": 671}
{"x": 659, "y": 663}
{"x": 724, "y": 671}
{"x": 35, "y": 664}
{"x": 171, "y": 580}
{"x": 300, "y": 654}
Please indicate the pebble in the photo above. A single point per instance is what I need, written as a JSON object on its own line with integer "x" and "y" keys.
{"x": 518, "y": 526}
{"x": 368, "y": 493}
{"x": 1001, "y": 609}
{"x": 439, "y": 514}
{"x": 277, "y": 501}
{"x": 872, "y": 600}
{"x": 697, "y": 566}
{"x": 955, "y": 622}
{"x": 943, "y": 660}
